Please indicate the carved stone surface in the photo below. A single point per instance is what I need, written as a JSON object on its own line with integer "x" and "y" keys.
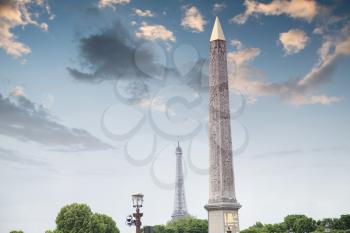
{"x": 222, "y": 196}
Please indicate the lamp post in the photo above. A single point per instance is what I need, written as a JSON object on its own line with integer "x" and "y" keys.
{"x": 135, "y": 218}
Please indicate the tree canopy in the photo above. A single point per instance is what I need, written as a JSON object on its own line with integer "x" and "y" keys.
{"x": 183, "y": 225}
{"x": 78, "y": 218}
{"x": 302, "y": 224}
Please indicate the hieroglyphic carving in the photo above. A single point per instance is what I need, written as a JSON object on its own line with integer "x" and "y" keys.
{"x": 221, "y": 169}
{"x": 222, "y": 199}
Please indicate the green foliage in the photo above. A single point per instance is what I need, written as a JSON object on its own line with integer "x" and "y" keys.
{"x": 16, "y": 232}
{"x": 302, "y": 224}
{"x": 101, "y": 223}
{"x": 78, "y": 218}
{"x": 74, "y": 218}
{"x": 183, "y": 225}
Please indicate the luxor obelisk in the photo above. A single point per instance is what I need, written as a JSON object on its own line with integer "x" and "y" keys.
{"x": 222, "y": 205}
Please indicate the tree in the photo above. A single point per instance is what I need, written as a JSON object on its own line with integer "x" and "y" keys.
{"x": 78, "y": 218}
{"x": 74, "y": 218}
{"x": 101, "y": 223}
{"x": 300, "y": 223}
{"x": 345, "y": 222}
{"x": 183, "y": 225}
{"x": 16, "y": 232}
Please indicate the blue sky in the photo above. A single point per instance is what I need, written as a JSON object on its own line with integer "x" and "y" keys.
{"x": 76, "y": 74}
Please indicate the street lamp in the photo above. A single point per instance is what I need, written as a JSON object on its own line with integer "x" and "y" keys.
{"x": 135, "y": 218}
{"x": 137, "y": 200}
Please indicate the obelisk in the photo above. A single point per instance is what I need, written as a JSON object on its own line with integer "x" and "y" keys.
{"x": 222, "y": 206}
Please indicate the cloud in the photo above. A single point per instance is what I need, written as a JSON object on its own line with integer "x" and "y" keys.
{"x": 156, "y": 104}
{"x": 237, "y": 44}
{"x": 293, "y": 41}
{"x": 14, "y": 14}
{"x": 193, "y": 19}
{"x": 244, "y": 55}
{"x": 298, "y": 9}
{"x": 218, "y": 7}
{"x": 112, "y": 3}
{"x": 17, "y": 91}
{"x": 111, "y": 54}
{"x": 155, "y": 32}
{"x": 253, "y": 83}
{"x": 15, "y": 157}
{"x": 23, "y": 120}
{"x": 330, "y": 53}
{"x": 143, "y": 13}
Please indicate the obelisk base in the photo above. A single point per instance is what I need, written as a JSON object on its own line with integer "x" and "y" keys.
{"x": 223, "y": 217}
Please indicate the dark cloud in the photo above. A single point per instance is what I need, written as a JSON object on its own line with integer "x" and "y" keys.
{"x": 22, "y": 119}
{"x": 111, "y": 54}
{"x": 132, "y": 64}
{"x": 197, "y": 77}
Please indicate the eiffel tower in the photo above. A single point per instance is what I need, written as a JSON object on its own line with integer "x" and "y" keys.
{"x": 180, "y": 209}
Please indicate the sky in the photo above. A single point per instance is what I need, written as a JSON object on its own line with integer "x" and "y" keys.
{"x": 94, "y": 95}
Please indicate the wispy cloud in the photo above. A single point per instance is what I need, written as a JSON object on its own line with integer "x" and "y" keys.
{"x": 254, "y": 84}
{"x": 218, "y": 7}
{"x": 24, "y": 120}
{"x": 193, "y": 19}
{"x": 293, "y": 41}
{"x": 298, "y": 9}
{"x": 14, "y": 14}
{"x": 302, "y": 152}
{"x": 12, "y": 156}
{"x": 143, "y": 13}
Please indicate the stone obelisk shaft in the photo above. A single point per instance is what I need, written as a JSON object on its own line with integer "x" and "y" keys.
{"x": 222, "y": 205}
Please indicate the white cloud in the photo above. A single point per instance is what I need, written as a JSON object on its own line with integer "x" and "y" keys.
{"x": 237, "y": 44}
{"x": 155, "y": 32}
{"x": 112, "y": 3}
{"x": 293, "y": 41}
{"x": 218, "y": 7}
{"x": 193, "y": 19}
{"x": 143, "y": 13}
{"x": 298, "y": 9}
{"x": 14, "y": 14}
{"x": 243, "y": 55}
{"x": 17, "y": 91}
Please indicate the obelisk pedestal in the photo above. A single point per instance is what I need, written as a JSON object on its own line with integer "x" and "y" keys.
{"x": 222, "y": 205}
